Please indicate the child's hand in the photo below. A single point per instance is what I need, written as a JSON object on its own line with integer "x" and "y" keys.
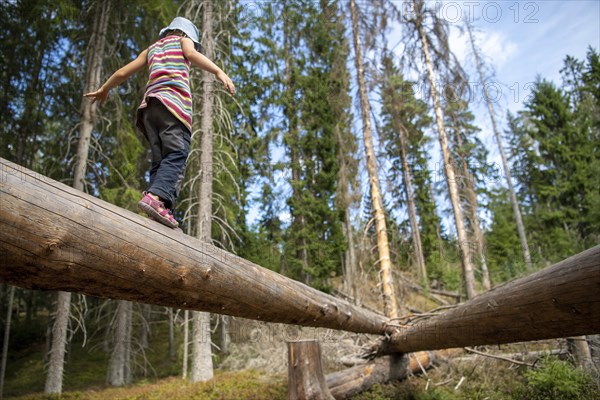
{"x": 227, "y": 82}
{"x": 99, "y": 95}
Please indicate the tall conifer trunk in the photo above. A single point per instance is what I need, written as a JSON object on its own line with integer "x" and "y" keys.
{"x": 93, "y": 78}
{"x": 95, "y": 55}
{"x": 291, "y": 114}
{"x": 202, "y": 366}
{"x": 343, "y": 199}
{"x": 119, "y": 364}
{"x": 186, "y": 339}
{"x": 472, "y": 205}
{"x": 511, "y": 189}
{"x": 412, "y": 212}
{"x": 463, "y": 241}
{"x": 390, "y": 304}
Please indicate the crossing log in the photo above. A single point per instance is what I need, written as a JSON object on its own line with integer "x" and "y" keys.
{"x": 559, "y": 301}
{"x": 54, "y": 237}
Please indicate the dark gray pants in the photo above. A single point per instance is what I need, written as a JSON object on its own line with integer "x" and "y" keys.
{"x": 170, "y": 145}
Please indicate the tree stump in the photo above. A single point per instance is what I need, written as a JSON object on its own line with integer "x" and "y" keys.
{"x": 305, "y": 372}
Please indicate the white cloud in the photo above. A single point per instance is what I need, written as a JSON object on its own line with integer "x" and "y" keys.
{"x": 495, "y": 46}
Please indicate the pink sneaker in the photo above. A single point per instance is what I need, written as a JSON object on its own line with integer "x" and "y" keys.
{"x": 157, "y": 211}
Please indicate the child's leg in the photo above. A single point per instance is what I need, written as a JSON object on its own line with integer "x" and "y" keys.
{"x": 173, "y": 138}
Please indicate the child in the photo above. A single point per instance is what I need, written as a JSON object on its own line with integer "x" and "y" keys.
{"x": 165, "y": 114}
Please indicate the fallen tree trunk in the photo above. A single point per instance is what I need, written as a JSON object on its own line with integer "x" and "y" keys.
{"x": 53, "y": 237}
{"x": 558, "y": 301}
{"x": 346, "y": 383}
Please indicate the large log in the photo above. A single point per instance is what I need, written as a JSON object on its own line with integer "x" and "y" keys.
{"x": 56, "y": 238}
{"x": 346, "y": 383}
{"x": 559, "y": 301}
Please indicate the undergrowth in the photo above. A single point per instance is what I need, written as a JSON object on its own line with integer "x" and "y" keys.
{"x": 552, "y": 379}
{"x": 251, "y": 385}
{"x": 477, "y": 378}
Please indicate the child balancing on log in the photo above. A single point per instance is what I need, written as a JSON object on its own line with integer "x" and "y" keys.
{"x": 165, "y": 114}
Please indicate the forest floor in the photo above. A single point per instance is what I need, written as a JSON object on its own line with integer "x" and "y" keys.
{"x": 257, "y": 370}
{"x": 256, "y": 366}
{"x": 471, "y": 377}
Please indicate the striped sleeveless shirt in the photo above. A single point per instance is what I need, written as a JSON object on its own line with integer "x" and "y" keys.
{"x": 169, "y": 79}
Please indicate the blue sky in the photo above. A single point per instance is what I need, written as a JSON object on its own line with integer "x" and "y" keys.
{"x": 535, "y": 41}
{"x": 522, "y": 46}
{"x": 523, "y": 40}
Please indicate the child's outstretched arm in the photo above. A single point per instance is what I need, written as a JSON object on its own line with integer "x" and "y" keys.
{"x": 118, "y": 77}
{"x": 201, "y": 61}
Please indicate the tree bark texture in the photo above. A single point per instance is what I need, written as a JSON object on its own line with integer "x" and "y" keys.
{"x": 171, "y": 348}
{"x": 580, "y": 349}
{"x": 56, "y": 238}
{"x": 305, "y": 372}
{"x": 463, "y": 241}
{"x": 145, "y": 315}
{"x": 471, "y": 208}
{"x": 186, "y": 339}
{"x": 559, "y": 301}
{"x": 344, "y": 201}
{"x": 390, "y": 305}
{"x": 290, "y": 40}
{"x": 225, "y": 338}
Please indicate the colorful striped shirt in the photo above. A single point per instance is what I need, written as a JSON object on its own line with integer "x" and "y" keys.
{"x": 169, "y": 79}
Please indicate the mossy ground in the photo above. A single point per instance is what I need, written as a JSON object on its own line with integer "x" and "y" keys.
{"x": 157, "y": 376}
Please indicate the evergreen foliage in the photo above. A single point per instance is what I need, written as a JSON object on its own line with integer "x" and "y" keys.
{"x": 287, "y": 180}
{"x": 555, "y": 143}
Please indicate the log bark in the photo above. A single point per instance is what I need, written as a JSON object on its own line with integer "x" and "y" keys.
{"x": 54, "y": 237}
{"x": 346, "y": 383}
{"x": 305, "y": 372}
{"x": 558, "y": 301}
